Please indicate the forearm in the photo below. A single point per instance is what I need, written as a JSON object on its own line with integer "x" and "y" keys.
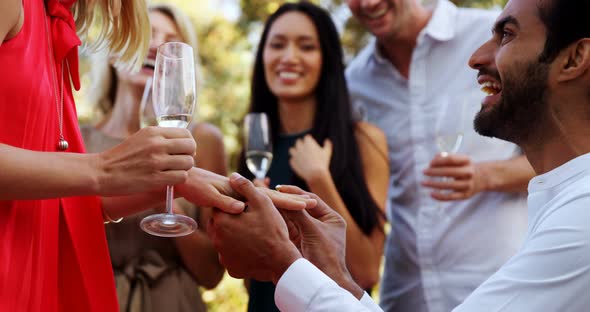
{"x": 363, "y": 253}
{"x": 37, "y": 175}
{"x": 511, "y": 175}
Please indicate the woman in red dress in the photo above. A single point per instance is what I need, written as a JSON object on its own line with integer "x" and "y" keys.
{"x": 53, "y": 253}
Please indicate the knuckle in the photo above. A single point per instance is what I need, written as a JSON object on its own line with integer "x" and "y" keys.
{"x": 153, "y": 161}
{"x": 186, "y": 132}
{"x": 188, "y": 162}
{"x": 192, "y": 144}
{"x": 183, "y": 176}
{"x": 149, "y": 131}
{"x": 154, "y": 144}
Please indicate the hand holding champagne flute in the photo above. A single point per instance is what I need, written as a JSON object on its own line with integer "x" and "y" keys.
{"x": 174, "y": 94}
{"x": 450, "y": 128}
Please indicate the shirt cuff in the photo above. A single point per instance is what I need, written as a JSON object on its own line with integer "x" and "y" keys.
{"x": 368, "y": 303}
{"x": 299, "y": 285}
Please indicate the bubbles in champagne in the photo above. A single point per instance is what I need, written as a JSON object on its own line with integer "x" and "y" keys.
{"x": 174, "y": 121}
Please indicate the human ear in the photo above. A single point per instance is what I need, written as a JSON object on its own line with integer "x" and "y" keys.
{"x": 575, "y": 60}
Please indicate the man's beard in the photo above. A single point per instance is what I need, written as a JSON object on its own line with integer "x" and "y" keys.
{"x": 519, "y": 113}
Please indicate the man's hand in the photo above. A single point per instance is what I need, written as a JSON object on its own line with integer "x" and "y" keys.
{"x": 149, "y": 159}
{"x": 463, "y": 178}
{"x": 320, "y": 233}
{"x": 254, "y": 244}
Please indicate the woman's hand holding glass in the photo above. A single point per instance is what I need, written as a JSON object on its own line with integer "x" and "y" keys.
{"x": 174, "y": 96}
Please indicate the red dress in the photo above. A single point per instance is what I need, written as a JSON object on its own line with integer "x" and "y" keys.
{"x": 53, "y": 253}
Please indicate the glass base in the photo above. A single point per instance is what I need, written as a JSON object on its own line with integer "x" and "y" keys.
{"x": 168, "y": 225}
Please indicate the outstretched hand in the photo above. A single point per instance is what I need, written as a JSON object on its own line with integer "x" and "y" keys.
{"x": 253, "y": 244}
{"x": 208, "y": 189}
{"x": 205, "y": 188}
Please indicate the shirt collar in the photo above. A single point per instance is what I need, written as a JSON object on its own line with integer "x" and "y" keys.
{"x": 441, "y": 27}
{"x": 560, "y": 174}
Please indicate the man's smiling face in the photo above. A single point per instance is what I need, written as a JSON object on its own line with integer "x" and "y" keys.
{"x": 511, "y": 74}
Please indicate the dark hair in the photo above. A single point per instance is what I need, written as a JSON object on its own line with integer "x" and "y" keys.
{"x": 333, "y": 118}
{"x": 565, "y": 23}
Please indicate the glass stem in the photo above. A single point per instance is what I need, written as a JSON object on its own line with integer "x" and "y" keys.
{"x": 169, "y": 198}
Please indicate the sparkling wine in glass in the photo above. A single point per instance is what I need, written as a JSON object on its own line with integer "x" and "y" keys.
{"x": 450, "y": 127}
{"x": 449, "y": 144}
{"x": 173, "y": 95}
{"x": 450, "y": 124}
{"x": 257, "y": 144}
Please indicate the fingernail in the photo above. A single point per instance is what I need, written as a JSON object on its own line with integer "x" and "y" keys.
{"x": 278, "y": 187}
{"x": 238, "y": 206}
{"x": 235, "y": 176}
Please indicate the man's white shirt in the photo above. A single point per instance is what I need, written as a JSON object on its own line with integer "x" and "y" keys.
{"x": 551, "y": 272}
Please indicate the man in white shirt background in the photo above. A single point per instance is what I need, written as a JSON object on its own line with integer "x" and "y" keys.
{"x": 411, "y": 80}
{"x": 536, "y": 69}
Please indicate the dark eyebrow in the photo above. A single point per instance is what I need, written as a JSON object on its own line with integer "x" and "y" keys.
{"x": 499, "y": 26}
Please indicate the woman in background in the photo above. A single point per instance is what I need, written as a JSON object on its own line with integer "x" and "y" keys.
{"x": 298, "y": 81}
{"x": 154, "y": 273}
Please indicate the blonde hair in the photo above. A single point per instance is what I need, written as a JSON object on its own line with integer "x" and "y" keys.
{"x": 123, "y": 27}
{"x": 104, "y": 79}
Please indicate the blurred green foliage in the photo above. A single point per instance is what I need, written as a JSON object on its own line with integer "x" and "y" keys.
{"x": 226, "y": 52}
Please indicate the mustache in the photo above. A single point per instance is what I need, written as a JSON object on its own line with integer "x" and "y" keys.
{"x": 489, "y": 72}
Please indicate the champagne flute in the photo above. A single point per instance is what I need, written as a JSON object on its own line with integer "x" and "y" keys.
{"x": 450, "y": 129}
{"x": 147, "y": 116}
{"x": 450, "y": 125}
{"x": 174, "y": 93}
{"x": 257, "y": 144}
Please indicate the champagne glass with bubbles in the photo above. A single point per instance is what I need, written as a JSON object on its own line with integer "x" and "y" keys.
{"x": 173, "y": 96}
{"x": 451, "y": 125}
{"x": 449, "y": 129}
{"x": 257, "y": 144}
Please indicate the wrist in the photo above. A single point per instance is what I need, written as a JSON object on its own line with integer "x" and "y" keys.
{"x": 107, "y": 218}
{"x": 340, "y": 274}
{"x": 483, "y": 177}
{"x": 287, "y": 257}
{"x": 317, "y": 176}
{"x": 349, "y": 284}
{"x": 97, "y": 174}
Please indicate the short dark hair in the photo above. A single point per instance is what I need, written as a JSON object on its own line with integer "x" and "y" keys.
{"x": 565, "y": 22}
{"x": 333, "y": 118}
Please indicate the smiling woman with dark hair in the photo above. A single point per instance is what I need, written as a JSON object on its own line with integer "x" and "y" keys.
{"x": 298, "y": 81}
